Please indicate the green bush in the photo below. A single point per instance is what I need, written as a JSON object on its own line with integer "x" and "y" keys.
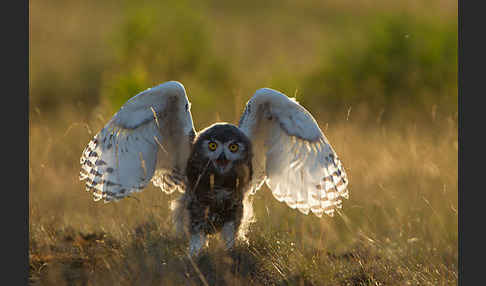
{"x": 401, "y": 60}
{"x": 161, "y": 41}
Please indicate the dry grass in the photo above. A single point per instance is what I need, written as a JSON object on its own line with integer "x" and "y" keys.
{"x": 399, "y": 226}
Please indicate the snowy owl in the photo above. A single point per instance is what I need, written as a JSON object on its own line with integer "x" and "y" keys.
{"x": 217, "y": 170}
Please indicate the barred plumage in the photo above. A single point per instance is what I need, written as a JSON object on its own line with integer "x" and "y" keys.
{"x": 277, "y": 142}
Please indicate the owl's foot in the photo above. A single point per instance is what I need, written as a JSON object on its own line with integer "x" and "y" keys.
{"x": 197, "y": 242}
{"x": 228, "y": 234}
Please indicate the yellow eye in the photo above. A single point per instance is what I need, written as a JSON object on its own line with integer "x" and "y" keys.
{"x": 233, "y": 147}
{"x": 212, "y": 146}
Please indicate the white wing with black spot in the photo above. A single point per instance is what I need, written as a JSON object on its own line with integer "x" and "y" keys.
{"x": 149, "y": 138}
{"x": 292, "y": 155}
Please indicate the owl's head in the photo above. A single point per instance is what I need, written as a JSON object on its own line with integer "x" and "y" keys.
{"x": 224, "y": 145}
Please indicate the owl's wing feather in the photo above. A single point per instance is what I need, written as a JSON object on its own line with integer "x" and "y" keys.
{"x": 151, "y": 134}
{"x": 292, "y": 155}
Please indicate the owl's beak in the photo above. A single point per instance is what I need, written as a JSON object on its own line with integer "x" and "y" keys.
{"x": 221, "y": 163}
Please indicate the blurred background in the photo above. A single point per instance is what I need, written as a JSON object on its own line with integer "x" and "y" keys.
{"x": 331, "y": 55}
{"x": 380, "y": 77}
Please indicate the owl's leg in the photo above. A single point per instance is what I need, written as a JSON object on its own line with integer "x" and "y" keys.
{"x": 197, "y": 227}
{"x": 228, "y": 234}
{"x": 198, "y": 240}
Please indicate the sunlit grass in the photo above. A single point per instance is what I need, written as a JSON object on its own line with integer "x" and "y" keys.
{"x": 399, "y": 225}
{"x": 379, "y": 77}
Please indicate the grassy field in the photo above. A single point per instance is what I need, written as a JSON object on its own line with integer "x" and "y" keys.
{"x": 387, "y": 104}
{"x": 398, "y": 227}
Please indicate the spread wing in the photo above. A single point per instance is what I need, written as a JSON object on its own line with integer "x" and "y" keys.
{"x": 292, "y": 155}
{"x": 149, "y": 138}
